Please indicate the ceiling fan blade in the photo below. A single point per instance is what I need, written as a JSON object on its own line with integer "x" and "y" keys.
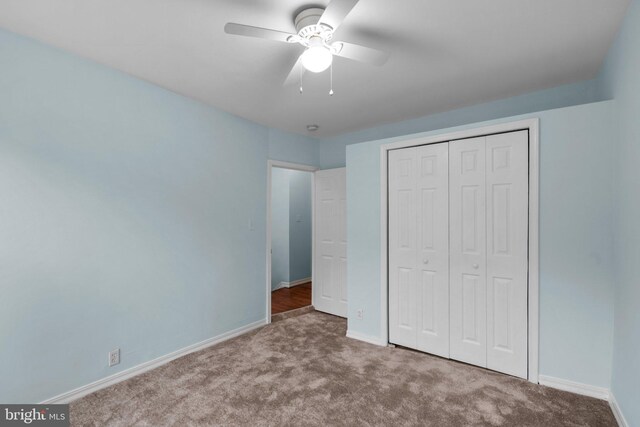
{"x": 361, "y": 53}
{"x": 262, "y": 33}
{"x": 336, "y": 11}
{"x": 294, "y": 74}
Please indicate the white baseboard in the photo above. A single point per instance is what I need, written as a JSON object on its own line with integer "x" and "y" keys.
{"x": 617, "y": 412}
{"x": 280, "y": 286}
{"x": 366, "y": 338}
{"x": 574, "y": 387}
{"x": 299, "y": 282}
{"x": 152, "y": 364}
{"x": 291, "y": 284}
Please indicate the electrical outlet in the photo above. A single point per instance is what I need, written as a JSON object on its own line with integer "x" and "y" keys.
{"x": 114, "y": 357}
{"x": 360, "y": 313}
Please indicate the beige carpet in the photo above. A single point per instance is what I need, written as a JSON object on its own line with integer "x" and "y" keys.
{"x": 304, "y": 371}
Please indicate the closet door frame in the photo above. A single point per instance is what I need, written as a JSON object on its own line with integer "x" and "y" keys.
{"x": 531, "y": 125}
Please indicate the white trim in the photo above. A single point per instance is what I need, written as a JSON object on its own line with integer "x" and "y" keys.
{"x": 152, "y": 364}
{"x": 532, "y": 125}
{"x": 574, "y": 387}
{"x": 292, "y": 284}
{"x": 366, "y": 338}
{"x": 293, "y": 166}
{"x": 384, "y": 274}
{"x": 299, "y": 282}
{"x": 313, "y": 236}
{"x": 534, "y": 248}
{"x": 617, "y": 411}
{"x": 280, "y": 285}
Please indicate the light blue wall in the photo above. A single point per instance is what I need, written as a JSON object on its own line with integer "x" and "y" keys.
{"x": 621, "y": 80}
{"x": 332, "y": 150}
{"x": 300, "y": 225}
{"x": 576, "y": 285}
{"x": 124, "y": 219}
{"x": 279, "y": 227}
{"x": 293, "y": 148}
{"x": 291, "y": 226}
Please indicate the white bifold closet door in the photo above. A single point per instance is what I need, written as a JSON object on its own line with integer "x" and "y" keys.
{"x": 468, "y": 263}
{"x": 462, "y": 205}
{"x": 419, "y": 259}
{"x": 329, "y": 285}
{"x": 489, "y": 190}
{"x": 507, "y": 187}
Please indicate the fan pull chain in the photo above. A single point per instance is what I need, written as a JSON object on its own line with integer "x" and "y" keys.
{"x": 331, "y": 79}
{"x": 300, "y": 79}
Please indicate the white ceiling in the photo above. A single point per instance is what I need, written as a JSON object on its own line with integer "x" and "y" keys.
{"x": 445, "y": 54}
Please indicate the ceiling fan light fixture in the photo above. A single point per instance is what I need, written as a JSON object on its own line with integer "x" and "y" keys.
{"x": 314, "y": 31}
{"x": 316, "y": 59}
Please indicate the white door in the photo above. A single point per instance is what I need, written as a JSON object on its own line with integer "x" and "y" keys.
{"x": 458, "y": 250}
{"x": 468, "y": 258}
{"x": 403, "y": 227}
{"x": 507, "y": 187}
{"x": 330, "y": 253}
{"x": 489, "y": 192}
{"x": 419, "y": 248}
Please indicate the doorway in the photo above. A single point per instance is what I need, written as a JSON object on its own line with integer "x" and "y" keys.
{"x": 290, "y": 237}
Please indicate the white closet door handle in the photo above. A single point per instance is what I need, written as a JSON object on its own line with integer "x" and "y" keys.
{"x": 425, "y": 261}
{"x": 476, "y": 266}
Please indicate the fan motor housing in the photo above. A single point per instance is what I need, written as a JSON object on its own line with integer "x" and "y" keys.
{"x": 309, "y": 29}
{"x": 308, "y": 17}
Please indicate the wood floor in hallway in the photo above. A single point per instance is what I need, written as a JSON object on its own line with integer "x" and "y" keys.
{"x": 286, "y": 299}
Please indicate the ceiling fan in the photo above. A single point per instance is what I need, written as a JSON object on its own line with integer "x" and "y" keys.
{"x": 315, "y": 27}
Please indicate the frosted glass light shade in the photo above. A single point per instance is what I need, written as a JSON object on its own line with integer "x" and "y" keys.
{"x": 316, "y": 59}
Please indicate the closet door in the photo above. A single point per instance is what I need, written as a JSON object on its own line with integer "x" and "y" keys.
{"x": 419, "y": 248}
{"x": 403, "y": 227}
{"x": 507, "y": 252}
{"x": 432, "y": 262}
{"x": 468, "y": 257}
{"x": 330, "y": 255}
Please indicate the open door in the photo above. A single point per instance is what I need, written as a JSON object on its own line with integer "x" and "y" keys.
{"x": 330, "y": 251}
